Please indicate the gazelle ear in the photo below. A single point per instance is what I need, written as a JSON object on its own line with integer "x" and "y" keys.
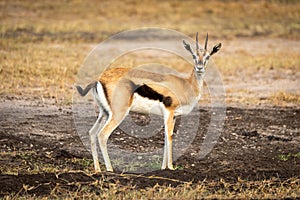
{"x": 187, "y": 46}
{"x": 215, "y": 49}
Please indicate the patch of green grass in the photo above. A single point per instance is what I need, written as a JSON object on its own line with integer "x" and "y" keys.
{"x": 286, "y": 157}
{"x": 153, "y": 163}
{"x": 179, "y": 167}
{"x": 297, "y": 155}
{"x": 86, "y": 163}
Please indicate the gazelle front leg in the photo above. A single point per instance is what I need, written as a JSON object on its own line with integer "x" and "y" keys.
{"x": 169, "y": 123}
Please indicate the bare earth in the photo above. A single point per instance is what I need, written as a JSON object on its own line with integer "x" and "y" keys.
{"x": 252, "y": 146}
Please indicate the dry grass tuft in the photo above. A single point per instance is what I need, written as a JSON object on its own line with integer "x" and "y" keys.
{"x": 284, "y": 98}
{"x": 241, "y": 189}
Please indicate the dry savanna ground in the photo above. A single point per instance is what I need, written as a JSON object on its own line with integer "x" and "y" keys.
{"x": 43, "y": 45}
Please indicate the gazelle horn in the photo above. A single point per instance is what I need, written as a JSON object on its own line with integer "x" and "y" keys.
{"x": 205, "y": 46}
{"x": 197, "y": 44}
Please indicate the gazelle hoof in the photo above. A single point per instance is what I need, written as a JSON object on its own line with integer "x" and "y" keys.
{"x": 109, "y": 169}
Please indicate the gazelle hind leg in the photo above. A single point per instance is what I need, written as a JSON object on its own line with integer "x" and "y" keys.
{"x": 93, "y": 138}
{"x": 98, "y": 125}
{"x": 169, "y": 123}
{"x": 120, "y": 106}
{"x": 103, "y": 136}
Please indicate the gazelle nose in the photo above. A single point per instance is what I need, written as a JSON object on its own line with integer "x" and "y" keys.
{"x": 200, "y": 69}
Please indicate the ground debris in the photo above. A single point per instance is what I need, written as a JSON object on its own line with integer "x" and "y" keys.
{"x": 34, "y": 164}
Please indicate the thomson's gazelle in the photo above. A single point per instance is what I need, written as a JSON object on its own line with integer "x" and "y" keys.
{"x": 120, "y": 90}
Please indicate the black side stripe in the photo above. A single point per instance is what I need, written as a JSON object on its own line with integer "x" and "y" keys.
{"x": 146, "y": 91}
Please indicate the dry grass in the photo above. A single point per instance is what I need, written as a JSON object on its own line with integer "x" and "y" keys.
{"x": 101, "y": 189}
{"x": 210, "y": 190}
{"x": 29, "y": 162}
{"x": 43, "y": 44}
{"x": 91, "y": 21}
{"x": 49, "y": 70}
{"x": 283, "y": 98}
{"x": 40, "y": 70}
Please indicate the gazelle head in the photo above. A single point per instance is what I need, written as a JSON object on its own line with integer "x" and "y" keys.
{"x": 201, "y": 56}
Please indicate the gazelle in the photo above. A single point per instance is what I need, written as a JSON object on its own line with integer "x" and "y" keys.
{"x": 120, "y": 90}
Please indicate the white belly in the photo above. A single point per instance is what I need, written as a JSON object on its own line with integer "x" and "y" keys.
{"x": 147, "y": 106}
{"x": 184, "y": 110}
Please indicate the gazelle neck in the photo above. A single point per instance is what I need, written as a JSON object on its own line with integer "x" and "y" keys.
{"x": 196, "y": 80}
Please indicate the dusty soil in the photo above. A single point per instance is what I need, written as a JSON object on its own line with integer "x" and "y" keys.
{"x": 255, "y": 144}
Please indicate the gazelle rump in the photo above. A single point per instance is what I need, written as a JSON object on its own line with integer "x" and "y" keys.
{"x": 120, "y": 90}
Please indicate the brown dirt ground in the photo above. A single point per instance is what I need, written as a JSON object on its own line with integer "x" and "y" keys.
{"x": 249, "y": 147}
